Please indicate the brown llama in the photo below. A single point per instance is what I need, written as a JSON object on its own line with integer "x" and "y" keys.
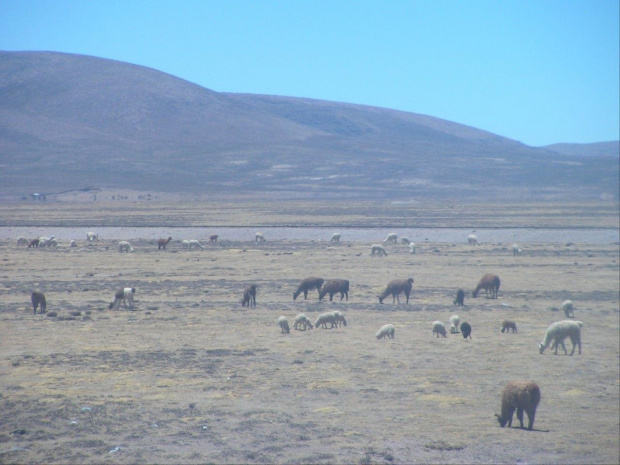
{"x": 34, "y": 243}
{"x": 161, "y": 243}
{"x": 213, "y": 237}
{"x": 249, "y": 296}
{"x": 488, "y": 282}
{"x": 38, "y": 299}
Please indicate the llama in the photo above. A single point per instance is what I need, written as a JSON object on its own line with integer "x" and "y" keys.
{"x": 377, "y": 249}
{"x": 567, "y": 307}
{"x": 259, "y": 237}
{"x": 391, "y": 238}
{"x": 213, "y": 238}
{"x": 91, "y": 236}
{"x": 335, "y": 286}
{"x": 22, "y": 241}
{"x": 508, "y": 325}
{"x": 460, "y": 298}
{"x": 524, "y": 396}
{"x": 397, "y": 287}
{"x": 38, "y": 299}
{"x": 249, "y": 296}
{"x": 161, "y": 243}
{"x": 124, "y": 246}
{"x": 386, "y": 330}
{"x": 185, "y": 244}
{"x": 124, "y": 295}
{"x": 306, "y": 285}
{"x": 194, "y": 244}
{"x": 33, "y": 243}
{"x": 472, "y": 240}
{"x": 559, "y": 331}
{"x": 488, "y": 282}
{"x": 335, "y": 237}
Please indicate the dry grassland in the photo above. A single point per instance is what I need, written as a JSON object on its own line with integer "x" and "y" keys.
{"x": 191, "y": 376}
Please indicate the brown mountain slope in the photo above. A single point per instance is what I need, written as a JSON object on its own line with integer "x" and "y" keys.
{"x": 69, "y": 121}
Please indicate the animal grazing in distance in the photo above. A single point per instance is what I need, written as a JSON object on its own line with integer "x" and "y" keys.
{"x": 325, "y": 318}
{"x": 161, "y": 243}
{"x": 283, "y": 324}
{"x": 559, "y": 331}
{"x": 515, "y": 249}
{"x": 259, "y": 237}
{"x": 524, "y": 396}
{"x": 308, "y": 284}
{"x": 386, "y": 330}
{"x": 466, "y": 330}
{"x": 340, "y": 319}
{"x": 124, "y": 295}
{"x": 38, "y": 300}
{"x": 194, "y": 244}
{"x": 377, "y": 249}
{"x": 249, "y": 296}
{"x": 405, "y": 241}
{"x": 302, "y": 321}
{"x": 412, "y": 248}
{"x": 567, "y": 307}
{"x": 335, "y": 286}
{"x": 391, "y": 238}
{"x": 454, "y": 324}
{"x": 488, "y": 282}
{"x": 397, "y": 287}
{"x": 439, "y": 329}
{"x": 472, "y": 240}
{"x": 34, "y": 243}
{"x": 91, "y": 236}
{"x": 213, "y": 237}
{"x": 508, "y": 325}
{"x": 335, "y": 237}
{"x": 22, "y": 241}
{"x": 460, "y": 298}
{"x": 124, "y": 246}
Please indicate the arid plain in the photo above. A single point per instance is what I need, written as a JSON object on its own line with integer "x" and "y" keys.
{"x": 191, "y": 376}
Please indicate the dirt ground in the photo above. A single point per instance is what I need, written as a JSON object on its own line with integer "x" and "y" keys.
{"x": 190, "y": 376}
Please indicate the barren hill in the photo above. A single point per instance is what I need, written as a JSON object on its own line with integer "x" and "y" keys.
{"x": 69, "y": 121}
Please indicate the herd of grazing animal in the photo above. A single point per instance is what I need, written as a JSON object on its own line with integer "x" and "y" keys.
{"x": 522, "y": 396}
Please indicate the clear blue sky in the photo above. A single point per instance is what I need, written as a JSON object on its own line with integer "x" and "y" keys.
{"x": 538, "y": 71}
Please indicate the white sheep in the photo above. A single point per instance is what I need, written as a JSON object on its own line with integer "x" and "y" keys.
{"x": 91, "y": 236}
{"x": 559, "y": 331}
{"x": 391, "y": 238}
{"x": 325, "y": 318}
{"x": 72, "y": 243}
{"x": 568, "y": 308}
{"x": 124, "y": 295}
{"x": 454, "y": 324}
{"x": 194, "y": 244}
{"x": 377, "y": 249}
{"x": 472, "y": 239}
{"x": 386, "y": 330}
{"x": 259, "y": 237}
{"x": 439, "y": 328}
{"x": 340, "y": 319}
{"x": 412, "y": 248}
{"x": 185, "y": 244}
{"x": 335, "y": 237}
{"x": 47, "y": 241}
{"x": 302, "y": 321}
{"x": 515, "y": 249}
{"x": 21, "y": 241}
{"x": 283, "y": 324}
{"x": 124, "y": 246}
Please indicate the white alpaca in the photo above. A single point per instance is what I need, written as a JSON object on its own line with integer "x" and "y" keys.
{"x": 472, "y": 240}
{"x": 391, "y": 238}
{"x": 124, "y": 246}
{"x": 123, "y": 295}
{"x": 377, "y": 249}
{"x": 47, "y": 241}
{"x": 559, "y": 331}
{"x": 386, "y": 330}
{"x": 567, "y": 307}
{"x": 335, "y": 237}
{"x": 412, "y": 248}
{"x": 91, "y": 236}
{"x": 185, "y": 244}
{"x": 194, "y": 244}
{"x": 454, "y": 324}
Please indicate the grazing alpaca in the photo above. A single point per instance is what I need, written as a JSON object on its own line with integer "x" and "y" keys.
{"x": 213, "y": 237}
{"x": 91, "y": 237}
{"x": 377, "y": 249}
{"x": 508, "y": 325}
{"x": 405, "y": 241}
{"x": 34, "y": 243}
{"x": 38, "y": 299}
{"x": 488, "y": 282}
{"x": 283, "y": 324}
{"x": 307, "y": 284}
{"x": 47, "y": 241}
{"x": 472, "y": 240}
{"x": 161, "y": 243}
{"x": 335, "y": 286}
{"x": 22, "y": 241}
{"x": 412, "y": 248}
{"x": 515, "y": 249}
{"x": 397, "y": 287}
{"x": 259, "y": 237}
{"x": 523, "y": 396}
{"x": 559, "y": 331}
{"x": 249, "y": 296}
{"x": 124, "y": 246}
{"x": 124, "y": 295}
{"x": 391, "y": 238}
{"x": 194, "y": 244}
{"x": 460, "y": 298}
{"x": 568, "y": 308}
{"x": 335, "y": 237}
